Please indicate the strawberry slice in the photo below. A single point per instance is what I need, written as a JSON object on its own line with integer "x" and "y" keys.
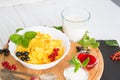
{"x": 92, "y": 62}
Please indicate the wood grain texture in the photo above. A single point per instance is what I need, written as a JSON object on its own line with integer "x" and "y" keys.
{"x": 94, "y": 73}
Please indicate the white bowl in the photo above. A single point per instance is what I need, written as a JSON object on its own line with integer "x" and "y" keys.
{"x": 55, "y": 34}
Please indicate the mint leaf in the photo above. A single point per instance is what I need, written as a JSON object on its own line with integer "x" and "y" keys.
{"x": 19, "y": 41}
{"x": 77, "y": 66}
{"x": 86, "y": 41}
{"x": 76, "y": 63}
{"x": 96, "y": 44}
{"x": 23, "y": 39}
{"x": 17, "y": 30}
{"x": 92, "y": 41}
{"x": 30, "y": 34}
{"x": 15, "y": 37}
{"x": 111, "y": 43}
{"x": 58, "y": 27}
{"x": 25, "y": 42}
{"x": 85, "y": 62}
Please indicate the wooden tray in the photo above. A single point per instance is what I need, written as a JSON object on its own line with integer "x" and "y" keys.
{"x": 94, "y": 73}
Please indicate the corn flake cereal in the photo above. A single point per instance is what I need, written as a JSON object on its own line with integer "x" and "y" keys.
{"x": 40, "y": 47}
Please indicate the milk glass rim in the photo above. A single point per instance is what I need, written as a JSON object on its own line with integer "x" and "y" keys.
{"x": 63, "y": 17}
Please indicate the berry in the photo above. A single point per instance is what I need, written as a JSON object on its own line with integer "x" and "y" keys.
{"x": 6, "y": 62}
{"x": 6, "y": 50}
{"x": 53, "y": 55}
{"x": 6, "y": 53}
{"x": 14, "y": 67}
{"x": 9, "y": 67}
{"x": 33, "y": 78}
{"x": 22, "y": 58}
{"x": 56, "y": 49}
{"x": 78, "y": 48}
{"x": 26, "y": 53}
{"x": 6, "y": 65}
{"x": 52, "y": 59}
{"x": 1, "y": 51}
{"x": 27, "y": 58}
{"x": 50, "y": 56}
{"x": 18, "y": 54}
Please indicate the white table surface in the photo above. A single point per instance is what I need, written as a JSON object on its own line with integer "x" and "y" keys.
{"x": 104, "y": 22}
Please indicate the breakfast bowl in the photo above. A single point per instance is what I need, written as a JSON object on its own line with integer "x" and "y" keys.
{"x": 41, "y": 30}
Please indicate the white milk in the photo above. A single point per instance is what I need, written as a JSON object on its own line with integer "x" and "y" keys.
{"x": 81, "y": 74}
{"x": 74, "y": 22}
{"x": 73, "y": 27}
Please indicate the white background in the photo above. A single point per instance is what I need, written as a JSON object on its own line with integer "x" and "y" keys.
{"x": 104, "y": 22}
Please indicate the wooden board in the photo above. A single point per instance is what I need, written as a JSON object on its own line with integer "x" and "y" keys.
{"x": 94, "y": 73}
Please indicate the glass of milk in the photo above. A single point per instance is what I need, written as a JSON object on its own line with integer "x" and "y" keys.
{"x": 74, "y": 21}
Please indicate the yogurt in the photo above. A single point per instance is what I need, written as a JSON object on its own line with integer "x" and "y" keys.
{"x": 81, "y": 74}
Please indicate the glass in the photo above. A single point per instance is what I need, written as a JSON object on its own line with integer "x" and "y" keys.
{"x": 74, "y": 21}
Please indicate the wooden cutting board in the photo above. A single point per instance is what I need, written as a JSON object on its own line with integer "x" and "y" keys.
{"x": 94, "y": 73}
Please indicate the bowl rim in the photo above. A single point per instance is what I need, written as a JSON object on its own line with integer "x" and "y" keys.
{"x": 45, "y": 27}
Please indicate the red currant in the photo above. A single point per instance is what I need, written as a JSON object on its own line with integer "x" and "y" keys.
{"x": 6, "y": 65}
{"x": 33, "y": 78}
{"x": 14, "y": 67}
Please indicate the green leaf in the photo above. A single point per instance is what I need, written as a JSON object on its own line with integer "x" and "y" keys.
{"x": 58, "y": 27}
{"x": 16, "y": 38}
{"x": 71, "y": 62}
{"x": 76, "y": 63}
{"x": 25, "y": 42}
{"x": 19, "y": 41}
{"x": 97, "y": 44}
{"x": 30, "y": 34}
{"x": 111, "y": 43}
{"x": 17, "y": 30}
{"x": 77, "y": 66}
{"x": 75, "y": 60}
{"x": 86, "y": 41}
{"x": 92, "y": 41}
{"x": 85, "y": 62}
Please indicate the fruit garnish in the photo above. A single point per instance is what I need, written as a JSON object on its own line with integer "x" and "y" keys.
{"x": 54, "y": 54}
{"x": 92, "y": 59}
{"x": 86, "y": 41}
{"x": 5, "y": 52}
{"x": 23, "y": 55}
{"x": 82, "y": 49}
{"x": 77, "y": 63}
{"x": 7, "y": 65}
